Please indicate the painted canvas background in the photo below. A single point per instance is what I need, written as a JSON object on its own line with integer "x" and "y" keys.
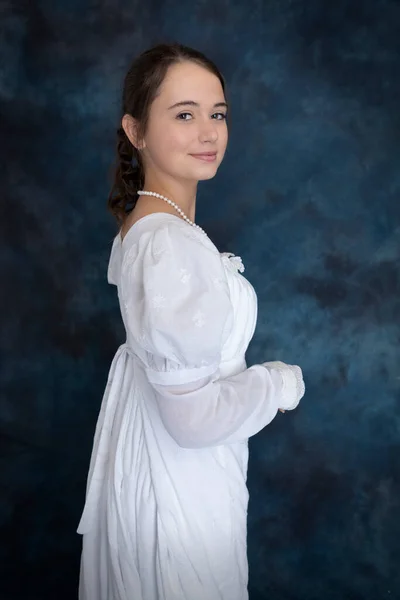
{"x": 308, "y": 195}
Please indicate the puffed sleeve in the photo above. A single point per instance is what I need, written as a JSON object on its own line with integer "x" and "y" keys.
{"x": 177, "y": 302}
{"x": 178, "y": 309}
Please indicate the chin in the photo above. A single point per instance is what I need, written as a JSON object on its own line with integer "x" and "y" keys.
{"x": 207, "y": 172}
{"x": 203, "y": 173}
{"x": 206, "y": 176}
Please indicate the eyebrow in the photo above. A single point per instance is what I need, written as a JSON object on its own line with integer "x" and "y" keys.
{"x": 193, "y": 103}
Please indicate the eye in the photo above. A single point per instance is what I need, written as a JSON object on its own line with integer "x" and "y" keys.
{"x": 182, "y": 115}
{"x": 222, "y": 115}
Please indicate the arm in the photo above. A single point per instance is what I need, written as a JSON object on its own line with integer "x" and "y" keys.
{"x": 175, "y": 291}
{"x": 210, "y": 412}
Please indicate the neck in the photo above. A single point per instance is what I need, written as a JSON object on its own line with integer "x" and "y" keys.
{"x": 182, "y": 193}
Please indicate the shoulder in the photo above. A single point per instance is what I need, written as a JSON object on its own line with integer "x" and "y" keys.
{"x": 165, "y": 233}
{"x": 171, "y": 252}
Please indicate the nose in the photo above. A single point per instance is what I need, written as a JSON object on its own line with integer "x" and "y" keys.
{"x": 208, "y": 131}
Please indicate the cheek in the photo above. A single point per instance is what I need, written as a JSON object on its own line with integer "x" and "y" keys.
{"x": 172, "y": 140}
{"x": 178, "y": 139}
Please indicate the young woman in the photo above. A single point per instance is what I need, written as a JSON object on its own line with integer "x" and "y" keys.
{"x": 166, "y": 502}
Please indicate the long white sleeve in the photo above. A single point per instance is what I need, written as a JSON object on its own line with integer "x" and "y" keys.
{"x": 212, "y": 412}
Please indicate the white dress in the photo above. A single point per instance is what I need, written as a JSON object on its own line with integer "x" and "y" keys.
{"x": 166, "y": 500}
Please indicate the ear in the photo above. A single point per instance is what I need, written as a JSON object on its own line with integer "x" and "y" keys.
{"x": 129, "y": 125}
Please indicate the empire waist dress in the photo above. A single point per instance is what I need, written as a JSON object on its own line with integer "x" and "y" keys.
{"x": 166, "y": 500}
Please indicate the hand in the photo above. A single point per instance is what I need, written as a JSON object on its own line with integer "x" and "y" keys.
{"x": 281, "y": 366}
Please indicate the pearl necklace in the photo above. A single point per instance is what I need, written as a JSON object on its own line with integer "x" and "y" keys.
{"x": 180, "y": 211}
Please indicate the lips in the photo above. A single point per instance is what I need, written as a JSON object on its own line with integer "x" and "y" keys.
{"x": 207, "y": 156}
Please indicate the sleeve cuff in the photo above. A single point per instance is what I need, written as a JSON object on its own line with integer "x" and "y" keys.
{"x": 293, "y": 387}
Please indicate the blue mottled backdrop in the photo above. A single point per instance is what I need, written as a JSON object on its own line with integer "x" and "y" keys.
{"x": 308, "y": 195}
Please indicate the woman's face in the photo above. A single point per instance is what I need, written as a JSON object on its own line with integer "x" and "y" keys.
{"x": 177, "y": 135}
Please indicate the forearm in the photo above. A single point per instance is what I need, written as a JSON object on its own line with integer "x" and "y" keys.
{"x": 211, "y": 411}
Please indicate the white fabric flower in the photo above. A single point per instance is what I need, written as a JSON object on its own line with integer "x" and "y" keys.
{"x": 234, "y": 262}
{"x": 199, "y": 319}
{"x": 184, "y": 275}
{"x": 159, "y": 301}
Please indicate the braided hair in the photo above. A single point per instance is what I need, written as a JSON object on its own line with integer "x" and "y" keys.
{"x": 129, "y": 178}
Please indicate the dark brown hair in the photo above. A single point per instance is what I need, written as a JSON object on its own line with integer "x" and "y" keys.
{"x": 141, "y": 85}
